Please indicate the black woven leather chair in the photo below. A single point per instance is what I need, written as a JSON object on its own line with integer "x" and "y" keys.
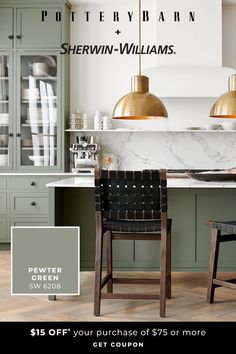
{"x": 229, "y": 234}
{"x": 131, "y": 205}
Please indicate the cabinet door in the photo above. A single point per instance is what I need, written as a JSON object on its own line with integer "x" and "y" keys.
{"x": 181, "y": 209}
{"x": 6, "y": 114}
{"x": 3, "y": 230}
{"x": 32, "y": 32}
{"x": 38, "y": 110}
{"x": 6, "y": 28}
{"x": 216, "y": 204}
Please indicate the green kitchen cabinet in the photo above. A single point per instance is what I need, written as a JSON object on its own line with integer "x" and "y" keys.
{"x": 181, "y": 209}
{"x": 39, "y": 122}
{"x": 28, "y": 203}
{"x": 32, "y": 32}
{"x": 214, "y": 204}
{"x": 6, "y": 110}
{"x": 34, "y": 78}
{"x": 23, "y": 202}
{"x": 6, "y": 28}
{"x": 3, "y": 230}
{"x": 30, "y": 24}
{"x": 3, "y": 203}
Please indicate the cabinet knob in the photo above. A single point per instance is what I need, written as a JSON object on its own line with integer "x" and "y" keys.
{"x": 19, "y": 36}
{"x": 10, "y": 36}
{"x": 33, "y": 204}
{"x": 32, "y": 183}
{"x": 10, "y": 135}
{"x": 18, "y": 135}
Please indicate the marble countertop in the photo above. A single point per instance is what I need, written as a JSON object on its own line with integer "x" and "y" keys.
{"x": 88, "y": 182}
{"x": 78, "y": 182}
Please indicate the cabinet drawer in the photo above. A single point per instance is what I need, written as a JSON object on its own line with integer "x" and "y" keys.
{"x": 3, "y": 229}
{"x": 29, "y": 182}
{"x": 19, "y": 221}
{"x": 3, "y": 204}
{"x": 25, "y": 203}
{"x": 3, "y": 183}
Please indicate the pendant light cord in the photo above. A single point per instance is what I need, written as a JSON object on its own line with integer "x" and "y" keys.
{"x": 139, "y": 35}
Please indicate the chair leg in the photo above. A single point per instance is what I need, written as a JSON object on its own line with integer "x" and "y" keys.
{"x": 168, "y": 275}
{"x": 163, "y": 273}
{"x": 109, "y": 261}
{"x": 213, "y": 260}
{"x": 98, "y": 273}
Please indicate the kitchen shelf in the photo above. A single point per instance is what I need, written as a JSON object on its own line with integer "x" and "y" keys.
{"x": 39, "y": 148}
{"x": 217, "y": 131}
{"x": 4, "y": 101}
{"x": 3, "y": 148}
{"x": 39, "y": 101}
{"x": 39, "y": 124}
{"x": 4, "y": 78}
{"x": 52, "y": 78}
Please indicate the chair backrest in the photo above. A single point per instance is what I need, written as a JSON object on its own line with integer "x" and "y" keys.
{"x": 131, "y": 194}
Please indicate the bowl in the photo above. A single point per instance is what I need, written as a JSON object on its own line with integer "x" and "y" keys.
{"x": 3, "y": 159}
{"x": 228, "y": 125}
{"x": 38, "y": 160}
{"x": 211, "y": 126}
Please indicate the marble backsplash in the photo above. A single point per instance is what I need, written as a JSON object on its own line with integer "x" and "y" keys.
{"x": 172, "y": 150}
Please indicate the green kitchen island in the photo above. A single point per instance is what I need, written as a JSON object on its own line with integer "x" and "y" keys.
{"x": 191, "y": 204}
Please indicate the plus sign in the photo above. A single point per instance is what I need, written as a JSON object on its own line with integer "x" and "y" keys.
{"x": 117, "y": 32}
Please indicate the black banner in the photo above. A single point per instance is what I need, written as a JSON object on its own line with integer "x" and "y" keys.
{"x": 118, "y": 337}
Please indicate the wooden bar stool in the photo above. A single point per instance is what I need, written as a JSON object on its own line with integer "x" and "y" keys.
{"x": 229, "y": 227}
{"x": 131, "y": 205}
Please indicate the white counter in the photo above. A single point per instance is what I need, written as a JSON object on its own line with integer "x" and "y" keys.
{"x": 78, "y": 182}
{"x": 88, "y": 182}
{"x": 191, "y": 183}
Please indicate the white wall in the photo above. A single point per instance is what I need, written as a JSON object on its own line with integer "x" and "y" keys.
{"x": 97, "y": 82}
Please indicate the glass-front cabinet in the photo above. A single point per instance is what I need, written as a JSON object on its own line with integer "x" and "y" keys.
{"x": 38, "y": 112}
{"x": 5, "y": 111}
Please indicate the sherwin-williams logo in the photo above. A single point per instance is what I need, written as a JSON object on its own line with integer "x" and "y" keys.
{"x": 123, "y": 48}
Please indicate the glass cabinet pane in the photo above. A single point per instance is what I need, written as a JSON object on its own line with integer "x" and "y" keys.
{"x": 39, "y": 111}
{"x": 4, "y": 111}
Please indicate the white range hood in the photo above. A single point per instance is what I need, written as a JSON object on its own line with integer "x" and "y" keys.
{"x": 188, "y": 82}
{"x": 196, "y": 69}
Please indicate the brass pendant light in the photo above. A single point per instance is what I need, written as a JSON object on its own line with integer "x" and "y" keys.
{"x": 225, "y": 106}
{"x": 139, "y": 104}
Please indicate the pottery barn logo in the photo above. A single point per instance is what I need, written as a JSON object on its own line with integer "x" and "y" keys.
{"x": 147, "y": 16}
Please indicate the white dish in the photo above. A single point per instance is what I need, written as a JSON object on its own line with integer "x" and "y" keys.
{"x": 4, "y": 118}
{"x": 228, "y": 125}
{"x": 3, "y": 160}
{"x": 38, "y": 160}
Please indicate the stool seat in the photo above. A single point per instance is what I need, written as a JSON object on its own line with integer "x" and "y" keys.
{"x": 134, "y": 226}
{"x": 229, "y": 227}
